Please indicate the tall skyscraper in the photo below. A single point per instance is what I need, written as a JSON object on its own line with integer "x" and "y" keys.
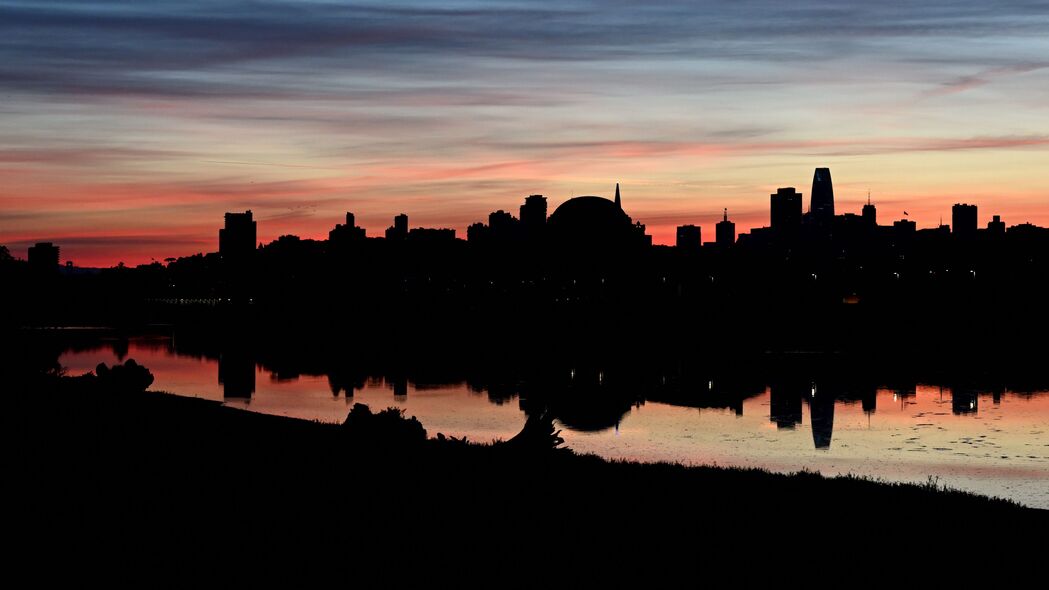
{"x": 786, "y": 209}
{"x": 43, "y": 256}
{"x": 237, "y": 240}
{"x": 821, "y": 204}
{"x": 689, "y": 237}
{"x": 725, "y": 232}
{"x": 963, "y": 219}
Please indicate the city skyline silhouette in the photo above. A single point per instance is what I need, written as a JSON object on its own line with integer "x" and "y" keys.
{"x": 787, "y": 210}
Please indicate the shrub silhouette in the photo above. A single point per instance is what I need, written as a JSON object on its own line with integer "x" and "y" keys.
{"x": 130, "y": 377}
{"x": 387, "y": 427}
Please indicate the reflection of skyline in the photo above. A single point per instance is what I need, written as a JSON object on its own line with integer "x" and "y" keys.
{"x": 486, "y": 403}
{"x": 584, "y": 398}
{"x": 236, "y": 375}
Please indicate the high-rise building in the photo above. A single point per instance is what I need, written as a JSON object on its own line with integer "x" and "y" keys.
{"x": 44, "y": 256}
{"x": 533, "y": 213}
{"x": 689, "y": 237}
{"x": 725, "y": 232}
{"x": 501, "y": 221}
{"x": 237, "y": 240}
{"x": 399, "y": 229}
{"x": 477, "y": 233}
{"x": 786, "y": 209}
{"x": 869, "y": 213}
{"x": 963, "y": 219}
{"x": 996, "y": 226}
{"x": 821, "y": 204}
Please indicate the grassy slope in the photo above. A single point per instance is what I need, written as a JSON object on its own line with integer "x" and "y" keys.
{"x": 161, "y": 474}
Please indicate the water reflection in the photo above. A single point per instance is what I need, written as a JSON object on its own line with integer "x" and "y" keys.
{"x": 237, "y": 375}
{"x": 899, "y": 427}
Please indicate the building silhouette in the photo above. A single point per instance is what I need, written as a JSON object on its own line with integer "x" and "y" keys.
{"x": 689, "y": 237}
{"x": 533, "y": 214}
{"x": 869, "y": 213}
{"x": 786, "y": 209}
{"x": 238, "y": 238}
{"x": 476, "y": 233}
{"x": 996, "y": 226}
{"x": 502, "y": 225}
{"x": 43, "y": 256}
{"x": 346, "y": 233}
{"x": 963, "y": 219}
{"x": 399, "y": 229}
{"x": 821, "y": 203}
{"x": 904, "y": 228}
{"x": 431, "y": 236}
{"x": 725, "y": 232}
{"x": 591, "y": 224}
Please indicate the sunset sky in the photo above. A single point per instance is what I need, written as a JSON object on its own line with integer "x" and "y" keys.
{"x": 128, "y": 128}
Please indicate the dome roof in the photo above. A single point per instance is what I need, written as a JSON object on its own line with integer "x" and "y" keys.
{"x": 591, "y": 220}
{"x": 588, "y": 210}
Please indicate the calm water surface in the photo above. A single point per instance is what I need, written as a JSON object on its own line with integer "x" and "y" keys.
{"x": 991, "y": 443}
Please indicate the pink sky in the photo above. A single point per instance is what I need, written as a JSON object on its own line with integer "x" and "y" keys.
{"x": 127, "y": 133}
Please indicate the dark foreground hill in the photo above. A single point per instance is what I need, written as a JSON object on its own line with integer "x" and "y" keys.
{"x": 122, "y": 481}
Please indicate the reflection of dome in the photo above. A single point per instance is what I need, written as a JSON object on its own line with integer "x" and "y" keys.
{"x": 594, "y": 221}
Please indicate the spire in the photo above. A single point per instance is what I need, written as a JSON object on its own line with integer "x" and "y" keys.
{"x": 868, "y": 196}
{"x": 726, "y": 214}
{"x": 619, "y": 203}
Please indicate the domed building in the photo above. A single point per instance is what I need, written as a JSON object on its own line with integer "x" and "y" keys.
{"x": 595, "y": 223}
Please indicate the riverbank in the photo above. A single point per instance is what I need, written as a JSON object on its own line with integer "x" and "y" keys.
{"x": 166, "y": 475}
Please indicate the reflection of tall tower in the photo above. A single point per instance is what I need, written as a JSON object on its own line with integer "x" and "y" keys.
{"x": 821, "y": 203}
{"x": 821, "y": 412}
{"x": 237, "y": 374}
{"x": 400, "y": 386}
{"x": 869, "y": 399}
{"x": 964, "y": 400}
{"x": 785, "y": 404}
